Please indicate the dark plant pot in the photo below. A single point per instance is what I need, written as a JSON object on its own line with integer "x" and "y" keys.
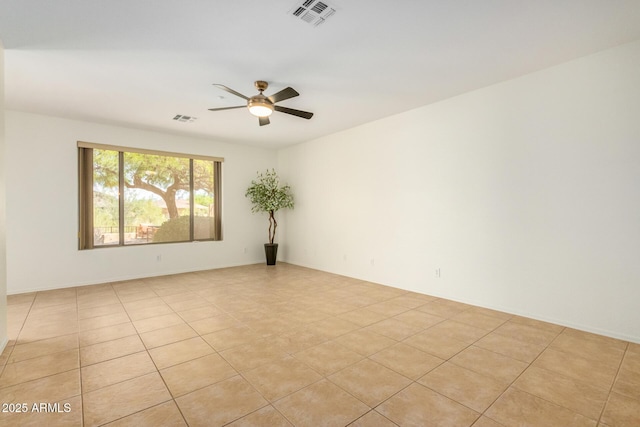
{"x": 271, "y": 251}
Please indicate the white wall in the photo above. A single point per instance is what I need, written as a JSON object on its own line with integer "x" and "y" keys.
{"x": 524, "y": 194}
{"x": 42, "y": 207}
{"x": 3, "y": 239}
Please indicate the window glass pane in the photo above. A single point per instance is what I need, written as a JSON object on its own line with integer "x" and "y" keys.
{"x": 140, "y": 197}
{"x": 105, "y": 198}
{"x": 203, "y": 208}
{"x": 156, "y": 198}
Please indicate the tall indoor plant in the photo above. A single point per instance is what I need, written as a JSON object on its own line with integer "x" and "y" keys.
{"x": 267, "y": 195}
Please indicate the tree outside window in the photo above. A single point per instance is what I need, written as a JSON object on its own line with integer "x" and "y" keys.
{"x": 136, "y": 197}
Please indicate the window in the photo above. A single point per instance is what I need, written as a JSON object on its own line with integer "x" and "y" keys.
{"x": 136, "y": 197}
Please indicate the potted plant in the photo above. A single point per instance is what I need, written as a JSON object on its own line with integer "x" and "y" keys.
{"x": 267, "y": 195}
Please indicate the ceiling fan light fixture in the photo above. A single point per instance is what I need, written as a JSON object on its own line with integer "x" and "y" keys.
{"x": 263, "y": 106}
{"x": 260, "y": 107}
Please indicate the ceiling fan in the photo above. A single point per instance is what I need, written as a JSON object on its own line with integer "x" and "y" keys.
{"x": 262, "y": 106}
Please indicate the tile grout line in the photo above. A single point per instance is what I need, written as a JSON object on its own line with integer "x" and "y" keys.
{"x": 79, "y": 362}
{"x": 615, "y": 378}
{"x": 146, "y": 349}
{"x": 24, "y": 322}
{"x": 413, "y": 381}
{"x": 483, "y": 414}
{"x": 542, "y": 398}
{"x": 287, "y": 310}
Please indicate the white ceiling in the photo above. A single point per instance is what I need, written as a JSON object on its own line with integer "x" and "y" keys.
{"x": 139, "y": 63}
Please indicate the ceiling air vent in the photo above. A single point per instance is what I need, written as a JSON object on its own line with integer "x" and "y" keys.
{"x": 313, "y": 12}
{"x": 185, "y": 119}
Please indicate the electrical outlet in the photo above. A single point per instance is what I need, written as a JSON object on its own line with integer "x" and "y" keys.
{"x": 438, "y": 273}
{"x": 159, "y": 258}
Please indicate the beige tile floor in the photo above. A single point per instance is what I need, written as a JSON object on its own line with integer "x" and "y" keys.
{"x": 285, "y": 345}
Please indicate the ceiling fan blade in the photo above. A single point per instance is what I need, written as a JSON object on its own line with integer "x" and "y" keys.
{"x": 285, "y": 93}
{"x": 227, "y": 108}
{"x": 303, "y": 114}
{"x": 223, "y": 87}
{"x": 263, "y": 121}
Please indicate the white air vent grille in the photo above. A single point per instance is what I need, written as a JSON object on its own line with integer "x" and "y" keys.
{"x": 319, "y": 7}
{"x": 185, "y": 119}
{"x": 309, "y": 17}
{"x": 313, "y": 12}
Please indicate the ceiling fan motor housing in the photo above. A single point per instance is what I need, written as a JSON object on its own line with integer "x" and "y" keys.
{"x": 260, "y": 106}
